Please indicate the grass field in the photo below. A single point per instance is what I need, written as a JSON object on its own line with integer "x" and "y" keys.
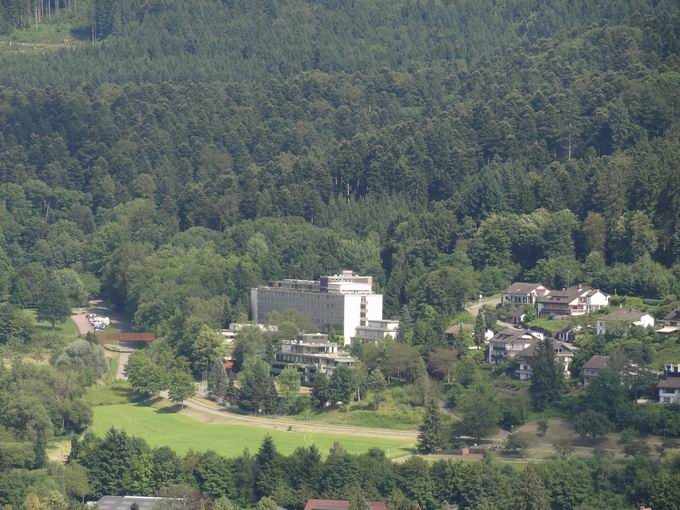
{"x": 66, "y": 328}
{"x": 159, "y": 427}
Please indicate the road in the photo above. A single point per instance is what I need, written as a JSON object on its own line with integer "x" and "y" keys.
{"x": 207, "y": 412}
{"x": 117, "y": 321}
{"x": 476, "y": 305}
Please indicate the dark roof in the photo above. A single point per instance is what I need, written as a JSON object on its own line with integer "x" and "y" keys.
{"x": 337, "y": 504}
{"x": 452, "y": 330}
{"x": 521, "y": 288}
{"x": 597, "y": 362}
{"x": 674, "y": 315}
{"x": 622, "y": 314}
{"x": 125, "y": 502}
{"x": 530, "y": 351}
{"x": 671, "y": 382}
{"x": 509, "y": 335}
{"x": 566, "y": 295}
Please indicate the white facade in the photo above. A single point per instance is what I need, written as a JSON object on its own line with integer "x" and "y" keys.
{"x": 375, "y": 331}
{"x": 631, "y": 317}
{"x": 312, "y": 355}
{"x": 339, "y": 302}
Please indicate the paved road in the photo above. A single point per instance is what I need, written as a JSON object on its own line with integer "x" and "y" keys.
{"x": 475, "y": 306}
{"x": 118, "y": 321}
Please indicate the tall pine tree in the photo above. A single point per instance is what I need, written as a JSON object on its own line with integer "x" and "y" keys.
{"x": 547, "y": 382}
{"x": 432, "y": 432}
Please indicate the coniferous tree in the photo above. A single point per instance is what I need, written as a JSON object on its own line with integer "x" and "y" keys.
{"x": 218, "y": 384}
{"x": 479, "y": 330}
{"x": 432, "y": 431}
{"x": 547, "y": 381}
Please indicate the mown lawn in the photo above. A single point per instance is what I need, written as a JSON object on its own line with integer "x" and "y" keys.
{"x": 160, "y": 427}
{"x": 66, "y": 328}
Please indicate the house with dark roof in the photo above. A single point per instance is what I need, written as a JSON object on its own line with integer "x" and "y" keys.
{"x": 575, "y": 300}
{"x": 672, "y": 319}
{"x": 338, "y": 504}
{"x": 126, "y": 502}
{"x": 624, "y": 317}
{"x": 508, "y": 343}
{"x": 593, "y": 367}
{"x": 668, "y": 390}
{"x": 522, "y": 293}
{"x": 564, "y": 355}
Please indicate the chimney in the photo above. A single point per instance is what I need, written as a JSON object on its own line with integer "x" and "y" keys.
{"x": 579, "y": 286}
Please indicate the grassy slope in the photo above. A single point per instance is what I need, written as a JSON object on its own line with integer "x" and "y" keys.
{"x": 159, "y": 427}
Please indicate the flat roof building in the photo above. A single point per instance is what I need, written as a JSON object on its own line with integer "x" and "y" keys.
{"x": 339, "y": 303}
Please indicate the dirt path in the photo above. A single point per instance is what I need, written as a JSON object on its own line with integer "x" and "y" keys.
{"x": 475, "y": 306}
{"x": 207, "y": 413}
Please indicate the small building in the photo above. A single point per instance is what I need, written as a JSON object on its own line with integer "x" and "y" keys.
{"x": 673, "y": 318}
{"x": 311, "y": 354}
{"x": 522, "y": 293}
{"x": 338, "y": 504}
{"x": 518, "y": 317}
{"x": 375, "y": 331}
{"x": 568, "y": 333}
{"x": 672, "y": 369}
{"x": 452, "y": 331}
{"x": 126, "y": 502}
{"x": 625, "y": 318}
{"x": 593, "y": 367}
{"x": 668, "y": 390}
{"x": 564, "y": 355}
{"x": 509, "y": 343}
{"x": 576, "y": 300}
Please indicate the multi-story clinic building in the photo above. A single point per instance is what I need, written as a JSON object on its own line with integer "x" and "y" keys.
{"x": 340, "y": 303}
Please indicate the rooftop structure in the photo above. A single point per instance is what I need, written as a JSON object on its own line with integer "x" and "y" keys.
{"x": 339, "y": 303}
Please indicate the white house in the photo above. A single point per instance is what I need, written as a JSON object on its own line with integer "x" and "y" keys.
{"x": 509, "y": 343}
{"x": 522, "y": 293}
{"x": 564, "y": 355}
{"x": 624, "y": 318}
{"x": 669, "y": 390}
{"x": 576, "y": 300}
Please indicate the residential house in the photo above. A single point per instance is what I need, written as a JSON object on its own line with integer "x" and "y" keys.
{"x": 576, "y": 300}
{"x": 454, "y": 330}
{"x": 508, "y": 343}
{"x": 311, "y": 354}
{"x": 668, "y": 390}
{"x": 564, "y": 355}
{"x": 126, "y": 502}
{"x": 593, "y": 367}
{"x": 673, "y": 318}
{"x": 568, "y": 333}
{"x": 337, "y": 504}
{"x": 375, "y": 331}
{"x": 518, "y": 317}
{"x": 625, "y": 318}
{"x": 521, "y": 293}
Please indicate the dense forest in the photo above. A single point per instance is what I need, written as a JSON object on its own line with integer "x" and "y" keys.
{"x": 185, "y": 152}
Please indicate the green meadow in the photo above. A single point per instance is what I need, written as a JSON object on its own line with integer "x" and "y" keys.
{"x": 161, "y": 427}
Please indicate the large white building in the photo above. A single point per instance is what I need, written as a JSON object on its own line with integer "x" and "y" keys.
{"x": 339, "y": 303}
{"x": 311, "y": 354}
